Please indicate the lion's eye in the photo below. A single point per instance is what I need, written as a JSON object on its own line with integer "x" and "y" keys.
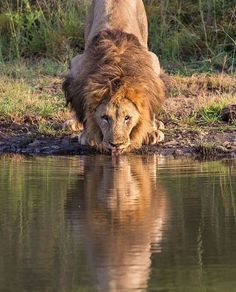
{"x": 105, "y": 118}
{"x": 127, "y": 118}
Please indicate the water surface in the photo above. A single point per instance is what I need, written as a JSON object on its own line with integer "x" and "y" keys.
{"x": 134, "y": 223}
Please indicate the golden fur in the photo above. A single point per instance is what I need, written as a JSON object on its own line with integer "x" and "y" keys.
{"x": 115, "y": 67}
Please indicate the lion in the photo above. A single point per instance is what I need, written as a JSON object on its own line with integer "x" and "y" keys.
{"x": 115, "y": 86}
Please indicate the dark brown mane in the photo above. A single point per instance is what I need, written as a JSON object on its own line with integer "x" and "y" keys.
{"x": 114, "y": 59}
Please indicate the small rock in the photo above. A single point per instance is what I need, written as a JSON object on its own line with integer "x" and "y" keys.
{"x": 34, "y": 143}
{"x": 227, "y": 145}
{"x": 171, "y": 143}
{"x": 45, "y": 149}
{"x": 228, "y": 114}
{"x": 55, "y": 147}
{"x": 221, "y": 148}
{"x": 178, "y": 152}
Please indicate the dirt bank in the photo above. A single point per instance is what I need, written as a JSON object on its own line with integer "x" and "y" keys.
{"x": 205, "y": 142}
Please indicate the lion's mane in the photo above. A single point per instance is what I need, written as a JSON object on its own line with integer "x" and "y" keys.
{"x": 116, "y": 66}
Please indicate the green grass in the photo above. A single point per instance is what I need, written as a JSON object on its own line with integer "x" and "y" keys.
{"x": 48, "y": 129}
{"x": 32, "y": 68}
{"x": 194, "y": 35}
{"x": 41, "y": 28}
{"x": 23, "y": 99}
{"x": 211, "y": 114}
{"x": 188, "y": 36}
{"x": 32, "y": 89}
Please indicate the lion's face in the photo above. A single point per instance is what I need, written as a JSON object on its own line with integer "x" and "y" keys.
{"x": 116, "y": 122}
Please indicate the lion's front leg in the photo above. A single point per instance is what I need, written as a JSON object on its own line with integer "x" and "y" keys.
{"x": 76, "y": 126}
{"x": 82, "y": 138}
{"x": 155, "y": 137}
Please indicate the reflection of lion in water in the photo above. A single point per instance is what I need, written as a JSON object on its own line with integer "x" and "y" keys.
{"x": 122, "y": 212}
{"x": 115, "y": 86}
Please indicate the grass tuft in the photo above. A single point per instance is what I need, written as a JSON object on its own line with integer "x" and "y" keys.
{"x": 211, "y": 114}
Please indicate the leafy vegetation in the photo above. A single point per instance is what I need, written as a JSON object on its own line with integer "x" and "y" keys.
{"x": 211, "y": 114}
{"x": 187, "y": 35}
{"x": 200, "y": 34}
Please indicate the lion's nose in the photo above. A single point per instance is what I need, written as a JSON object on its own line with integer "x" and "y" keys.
{"x": 116, "y": 145}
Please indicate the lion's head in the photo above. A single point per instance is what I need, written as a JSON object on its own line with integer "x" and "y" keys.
{"x": 116, "y": 122}
{"x": 116, "y": 92}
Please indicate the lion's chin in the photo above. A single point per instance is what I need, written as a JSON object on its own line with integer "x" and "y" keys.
{"x": 115, "y": 151}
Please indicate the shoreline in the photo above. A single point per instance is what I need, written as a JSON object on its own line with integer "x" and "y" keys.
{"x": 209, "y": 143}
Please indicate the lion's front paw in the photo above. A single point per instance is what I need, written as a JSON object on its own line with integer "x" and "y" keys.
{"x": 160, "y": 125}
{"x": 82, "y": 138}
{"x": 157, "y": 124}
{"x": 72, "y": 125}
{"x": 155, "y": 137}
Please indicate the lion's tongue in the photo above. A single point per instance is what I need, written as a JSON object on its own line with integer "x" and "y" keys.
{"x": 116, "y": 151}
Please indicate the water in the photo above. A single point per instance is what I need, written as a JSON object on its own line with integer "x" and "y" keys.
{"x": 135, "y": 223}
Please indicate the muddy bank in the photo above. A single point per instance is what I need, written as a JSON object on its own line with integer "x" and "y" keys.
{"x": 205, "y": 143}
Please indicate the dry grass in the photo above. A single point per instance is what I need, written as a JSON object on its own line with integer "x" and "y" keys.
{"x": 31, "y": 91}
{"x": 199, "y": 98}
{"x": 44, "y": 100}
